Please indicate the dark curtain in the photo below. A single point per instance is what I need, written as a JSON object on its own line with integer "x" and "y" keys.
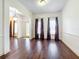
{"x": 36, "y": 28}
{"x": 48, "y": 30}
{"x": 57, "y": 30}
{"x": 42, "y": 30}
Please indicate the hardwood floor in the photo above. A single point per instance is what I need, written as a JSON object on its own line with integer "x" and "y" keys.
{"x": 38, "y": 49}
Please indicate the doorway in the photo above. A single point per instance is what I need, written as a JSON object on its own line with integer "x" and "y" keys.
{"x": 13, "y": 22}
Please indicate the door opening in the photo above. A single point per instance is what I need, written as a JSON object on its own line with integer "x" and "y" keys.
{"x": 13, "y": 22}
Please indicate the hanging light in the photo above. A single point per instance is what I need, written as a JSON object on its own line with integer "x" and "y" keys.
{"x": 42, "y": 2}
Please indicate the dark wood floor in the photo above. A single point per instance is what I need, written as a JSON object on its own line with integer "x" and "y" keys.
{"x": 38, "y": 49}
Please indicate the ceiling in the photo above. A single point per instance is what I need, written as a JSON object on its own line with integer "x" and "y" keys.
{"x": 51, "y": 6}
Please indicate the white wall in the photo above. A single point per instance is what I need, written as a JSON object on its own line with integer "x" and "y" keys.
{"x": 16, "y": 4}
{"x": 70, "y": 17}
{"x": 4, "y": 35}
{"x": 45, "y": 16}
{"x": 1, "y": 46}
{"x": 6, "y": 27}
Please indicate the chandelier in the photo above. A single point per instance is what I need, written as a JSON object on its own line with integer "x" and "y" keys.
{"x": 42, "y": 2}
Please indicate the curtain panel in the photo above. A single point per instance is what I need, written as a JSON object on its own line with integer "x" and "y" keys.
{"x": 57, "y": 30}
{"x": 42, "y": 30}
{"x": 36, "y": 26}
{"x": 48, "y": 30}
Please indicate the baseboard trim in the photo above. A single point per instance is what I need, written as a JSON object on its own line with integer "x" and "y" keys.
{"x": 70, "y": 49}
{"x": 4, "y": 56}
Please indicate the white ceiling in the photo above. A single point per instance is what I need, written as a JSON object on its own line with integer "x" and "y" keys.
{"x": 51, "y": 6}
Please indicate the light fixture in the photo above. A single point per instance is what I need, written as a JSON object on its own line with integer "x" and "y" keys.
{"x": 42, "y": 2}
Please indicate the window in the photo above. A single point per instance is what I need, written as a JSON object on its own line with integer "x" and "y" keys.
{"x": 39, "y": 28}
{"x": 52, "y": 26}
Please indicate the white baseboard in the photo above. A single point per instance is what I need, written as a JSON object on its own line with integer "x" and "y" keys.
{"x": 72, "y": 41}
{"x": 1, "y": 47}
{"x": 1, "y": 53}
{"x": 6, "y": 51}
